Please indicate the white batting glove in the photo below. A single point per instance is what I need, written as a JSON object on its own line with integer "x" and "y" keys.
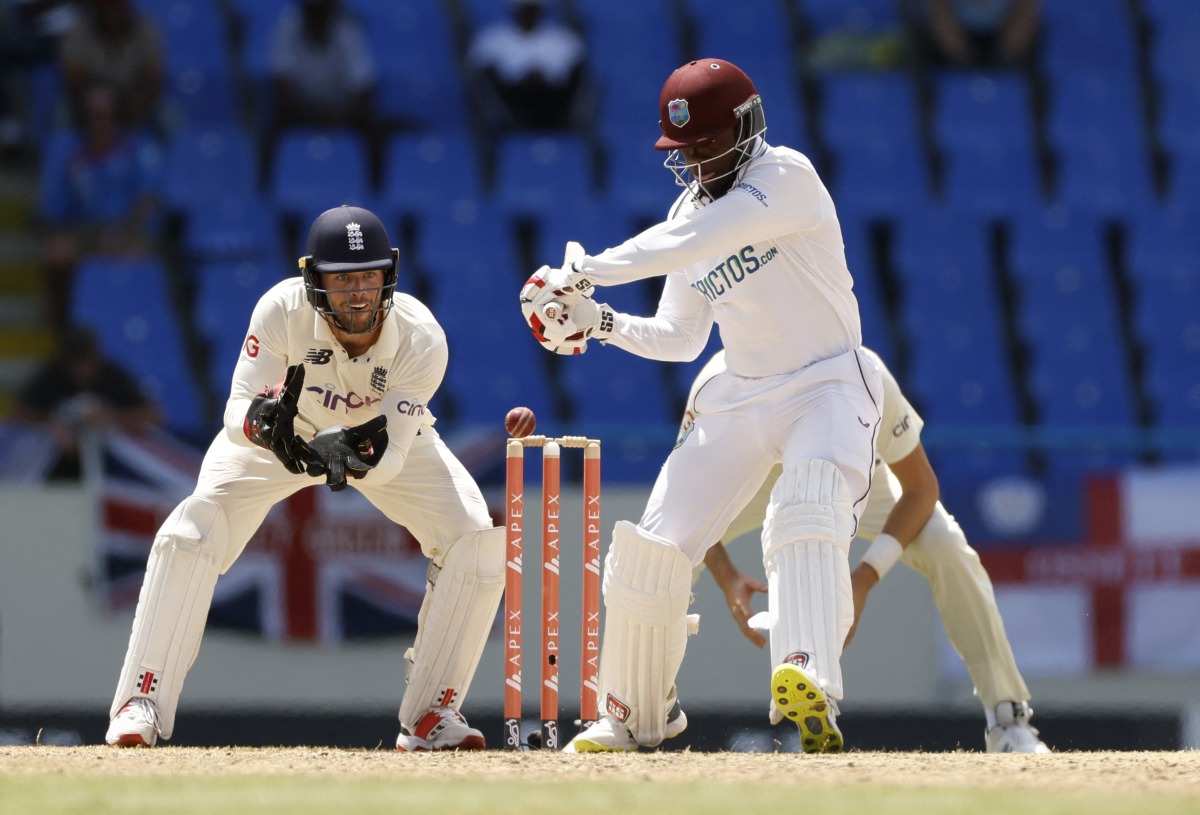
{"x": 565, "y": 329}
{"x": 566, "y": 285}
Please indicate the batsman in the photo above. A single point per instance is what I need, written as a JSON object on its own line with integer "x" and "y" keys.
{"x": 753, "y": 245}
{"x": 356, "y": 363}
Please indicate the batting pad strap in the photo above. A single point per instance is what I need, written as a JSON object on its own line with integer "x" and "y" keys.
{"x": 883, "y": 553}
{"x": 647, "y": 588}
{"x": 461, "y": 598}
{"x": 172, "y": 610}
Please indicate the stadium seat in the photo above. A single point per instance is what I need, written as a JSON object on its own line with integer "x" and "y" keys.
{"x": 200, "y": 84}
{"x": 882, "y": 179}
{"x": 316, "y": 169}
{"x": 869, "y": 108}
{"x": 537, "y": 172}
{"x": 128, "y": 303}
{"x": 983, "y": 107}
{"x": 467, "y": 249}
{"x": 851, "y": 16}
{"x": 245, "y": 228}
{"x": 413, "y": 42}
{"x": 1098, "y": 35}
{"x": 420, "y": 165}
{"x": 1095, "y": 105}
{"x": 872, "y": 308}
{"x": 1100, "y": 176}
{"x": 226, "y": 293}
{"x": 986, "y": 179}
{"x": 959, "y": 366}
{"x": 208, "y": 164}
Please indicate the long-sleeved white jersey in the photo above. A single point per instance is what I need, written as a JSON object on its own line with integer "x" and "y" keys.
{"x": 765, "y": 261}
{"x": 396, "y": 377}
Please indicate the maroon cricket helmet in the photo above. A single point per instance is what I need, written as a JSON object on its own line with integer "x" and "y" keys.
{"x": 701, "y": 100}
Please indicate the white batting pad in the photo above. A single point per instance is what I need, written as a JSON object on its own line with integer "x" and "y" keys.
{"x": 806, "y": 543}
{"x": 647, "y": 588}
{"x": 172, "y": 609}
{"x": 461, "y": 598}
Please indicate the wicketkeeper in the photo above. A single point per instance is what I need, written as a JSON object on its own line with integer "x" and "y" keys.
{"x": 372, "y": 358}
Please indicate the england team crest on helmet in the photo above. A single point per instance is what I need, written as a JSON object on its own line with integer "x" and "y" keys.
{"x": 677, "y": 112}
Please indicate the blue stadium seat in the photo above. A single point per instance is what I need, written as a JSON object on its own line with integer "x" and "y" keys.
{"x": 316, "y": 169}
{"x": 537, "y": 172}
{"x": 852, "y": 16}
{"x": 869, "y": 108}
{"x": 208, "y": 164}
{"x": 128, "y": 303}
{"x": 257, "y": 20}
{"x": 590, "y": 222}
{"x": 1095, "y": 105}
{"x": 951, "y": 316}
{"x": 226, "y": 293}
{"x": 636, "y": 185}
{"x": 872, "y": 309}
{"x": 415, "y": 56}
{"x": 1068, "y": 316}
{"x": 468, "y": 250}
{"x": 882, "y": 179}
{"x": 1179, "y": 112}
{"x": 983, "y": 107}
{"x": 988, "y": 180}
{"x": 1098, "y": 175}
{"x": 200, "y": 83}
{"x": 1098, "y": 35}
{"x": 241, "y": 229}
{"x": 419, "y": 166}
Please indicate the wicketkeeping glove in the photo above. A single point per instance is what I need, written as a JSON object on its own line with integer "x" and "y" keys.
{"x": 270, "y": 421}
{"x": 339, "y": 451}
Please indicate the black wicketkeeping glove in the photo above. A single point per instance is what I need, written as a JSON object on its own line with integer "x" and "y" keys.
{"x": 270, "y": 421}
{"x": 340, "y": 451}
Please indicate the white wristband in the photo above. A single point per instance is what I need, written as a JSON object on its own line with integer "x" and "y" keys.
{"x": 882, "y": 554}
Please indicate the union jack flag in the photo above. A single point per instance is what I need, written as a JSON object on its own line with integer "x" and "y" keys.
{"x": 322, "y": 567}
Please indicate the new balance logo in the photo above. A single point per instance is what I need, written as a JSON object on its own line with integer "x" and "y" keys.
{"x": 319, "y": 356}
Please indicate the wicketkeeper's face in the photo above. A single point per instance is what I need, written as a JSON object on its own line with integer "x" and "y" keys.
{"x": 354, "y": 297}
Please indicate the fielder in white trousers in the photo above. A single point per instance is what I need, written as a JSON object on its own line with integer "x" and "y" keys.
{"x": 920, "y": 534}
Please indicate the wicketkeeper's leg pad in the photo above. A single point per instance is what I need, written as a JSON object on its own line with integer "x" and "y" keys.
{"x": 806, "y": 543}
{"x": 647, "y": 588}
{"x": 172, "y": 609}
{"x": 462, "y": 595}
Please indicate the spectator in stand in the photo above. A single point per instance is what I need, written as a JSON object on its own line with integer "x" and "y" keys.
{"x": 529, "y": 73}
{"x": 983, "y": 33}
{"x": 30, "y": 31}
{"x": 112, "y": 42}
{"x": 100, "y": 195}
{"x": 81, "y": 390}
{"x": 323, "y": 74}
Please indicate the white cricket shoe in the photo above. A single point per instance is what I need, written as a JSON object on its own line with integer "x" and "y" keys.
{"x": 1013, "y": 733}
{"x": 610, "y": 736}
{"x": 604, "y": 736}
{"x": 800, "y": 699}
{"x": 135, "y": 725}
{"x": 442, "y": 728}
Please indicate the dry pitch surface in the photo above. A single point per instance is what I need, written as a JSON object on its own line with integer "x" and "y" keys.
{"x": 300, "y": 780}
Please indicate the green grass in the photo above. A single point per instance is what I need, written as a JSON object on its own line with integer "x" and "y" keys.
{"x": 270, "y": 794}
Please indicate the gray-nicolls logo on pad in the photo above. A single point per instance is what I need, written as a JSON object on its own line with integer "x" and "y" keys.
{"x": 354, "y": 233}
